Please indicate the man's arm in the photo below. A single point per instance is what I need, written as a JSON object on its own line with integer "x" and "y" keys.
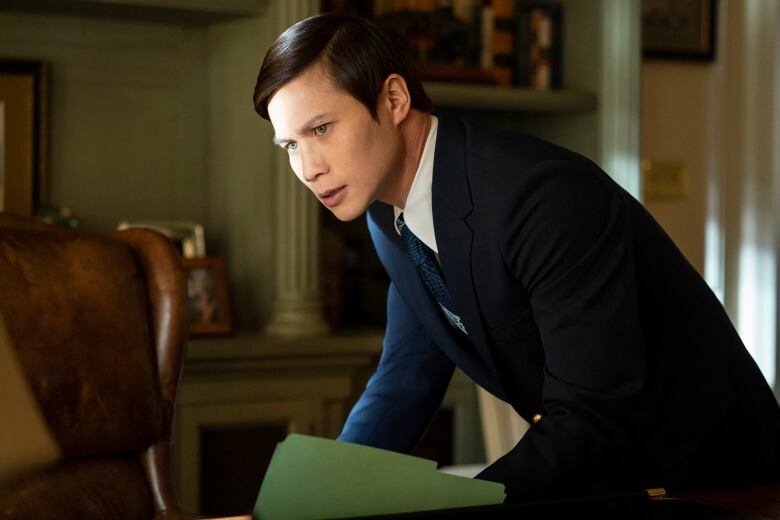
{"x": 407, "y": 388}
{"x": 569, "y": 242}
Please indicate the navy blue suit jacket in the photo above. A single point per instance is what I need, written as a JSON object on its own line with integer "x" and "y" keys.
{"x": 578, "y": 307}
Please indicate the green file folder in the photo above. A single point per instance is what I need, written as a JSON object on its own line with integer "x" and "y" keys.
{"x": 314, "y": 478}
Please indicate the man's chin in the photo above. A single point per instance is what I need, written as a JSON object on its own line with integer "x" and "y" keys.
{"x": 347, "y": 214}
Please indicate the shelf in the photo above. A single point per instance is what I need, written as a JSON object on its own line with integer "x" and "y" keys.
{"x": 482, "y": 97}
{"x": 170, "y": 11}
{"x": 253, "y": 351}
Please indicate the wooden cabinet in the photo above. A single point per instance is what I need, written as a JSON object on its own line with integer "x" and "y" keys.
{"x": 241, "y": 395}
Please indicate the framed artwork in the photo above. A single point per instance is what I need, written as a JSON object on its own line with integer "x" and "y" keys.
{"x": 208, "y": 302}
{"x": 188, "y": 237}
{"x": 23, "y": 132}
{"x": 679, "y": 29}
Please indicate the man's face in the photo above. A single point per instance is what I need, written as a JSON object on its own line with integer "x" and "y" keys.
{"x": 343, "y": 155}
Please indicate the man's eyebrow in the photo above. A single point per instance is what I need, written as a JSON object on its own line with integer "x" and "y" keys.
{"x": 306, "y": 127}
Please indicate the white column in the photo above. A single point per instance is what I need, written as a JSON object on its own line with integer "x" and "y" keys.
{"x": 297, "y": 306}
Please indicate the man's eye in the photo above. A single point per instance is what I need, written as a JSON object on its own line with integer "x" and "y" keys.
{"x": 320, "y": 130}
{"x": 291, "y": 146}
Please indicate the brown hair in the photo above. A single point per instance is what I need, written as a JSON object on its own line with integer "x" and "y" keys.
{"x": 357, "y": 54}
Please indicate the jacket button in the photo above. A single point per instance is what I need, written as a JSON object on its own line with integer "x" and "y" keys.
{"x": 536, "y": 418}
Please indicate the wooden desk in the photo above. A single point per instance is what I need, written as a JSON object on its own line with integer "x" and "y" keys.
{"x": 735, "y": 503}
{"x": 762, "y": 501}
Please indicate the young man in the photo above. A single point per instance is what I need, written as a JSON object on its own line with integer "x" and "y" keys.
{"x": 526, "y": 266}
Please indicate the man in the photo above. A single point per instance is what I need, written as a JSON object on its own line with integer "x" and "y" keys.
{"x": 526, "y": 266}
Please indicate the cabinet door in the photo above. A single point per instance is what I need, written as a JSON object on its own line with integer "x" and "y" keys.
{"x": 223, "y": 450}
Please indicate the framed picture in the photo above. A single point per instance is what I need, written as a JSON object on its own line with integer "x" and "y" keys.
{"x": 23, "y": 132}
{"x": 679, "y": 29}
{"x": 188, "y": 237}
{"x": 208, "y": 302}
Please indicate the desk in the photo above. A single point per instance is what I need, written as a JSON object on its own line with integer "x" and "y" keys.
{"x": 724, "y": 504}
{"x": 762, "y": 501}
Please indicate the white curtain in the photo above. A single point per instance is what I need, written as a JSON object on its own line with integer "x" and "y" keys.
{"x": 502, "y": 427}
{"x": 742, "y": 225}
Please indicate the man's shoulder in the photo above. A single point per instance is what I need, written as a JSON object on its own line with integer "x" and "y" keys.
{"x": 481, "y": 142}
{"x": 493, "y": 166}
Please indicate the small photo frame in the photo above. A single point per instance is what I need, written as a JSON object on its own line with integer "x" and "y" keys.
{"x": 188, "y": 237}
{"x": 208, "y": 302}
{"x": 23, "y": 135}
{"x": 679, "y": 29}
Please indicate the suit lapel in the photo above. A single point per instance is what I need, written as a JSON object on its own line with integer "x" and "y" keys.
{"x": 451, "y": 207}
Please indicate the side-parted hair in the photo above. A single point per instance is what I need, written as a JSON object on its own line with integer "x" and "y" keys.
{"x": 357, "y": 55}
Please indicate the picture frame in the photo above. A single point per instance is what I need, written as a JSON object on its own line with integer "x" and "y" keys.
{"x": 23, "y": 138}
{"x": 679, "y": 29}
{"x": 208, "y": 301}
{"x": 188, "y": 237}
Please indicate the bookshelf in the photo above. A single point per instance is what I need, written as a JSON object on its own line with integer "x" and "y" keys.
{"x": 483, "y": 97}
{"x": 166, "y": 11}
{"x": 581, "y": 57}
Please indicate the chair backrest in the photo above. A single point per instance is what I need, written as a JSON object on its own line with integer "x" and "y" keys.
{"x": 99, "y": 325}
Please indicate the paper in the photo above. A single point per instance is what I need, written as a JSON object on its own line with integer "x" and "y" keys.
{"x": 26, "y": 444}
{"x": 315, "y": 478}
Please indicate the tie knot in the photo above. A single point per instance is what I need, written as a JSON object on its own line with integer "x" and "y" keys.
{"x": 400, "y": 222}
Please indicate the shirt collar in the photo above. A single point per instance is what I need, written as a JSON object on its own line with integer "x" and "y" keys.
{"x": 418, "y": 212}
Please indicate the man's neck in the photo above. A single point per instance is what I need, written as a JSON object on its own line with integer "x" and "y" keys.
{"x": 414, "y": 131}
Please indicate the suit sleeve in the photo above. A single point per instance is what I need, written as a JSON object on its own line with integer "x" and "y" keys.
{"x": 569, "y": 242}
{"x": 407, "y": 388}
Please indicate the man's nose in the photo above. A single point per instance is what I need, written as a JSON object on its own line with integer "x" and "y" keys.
{"x": 313, "y": 165}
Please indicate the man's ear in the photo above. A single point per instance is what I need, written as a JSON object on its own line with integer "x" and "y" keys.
{"x": 395, "y": 96}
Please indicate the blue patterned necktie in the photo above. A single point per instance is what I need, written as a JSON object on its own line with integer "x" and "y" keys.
{"x": 423, "y": 259}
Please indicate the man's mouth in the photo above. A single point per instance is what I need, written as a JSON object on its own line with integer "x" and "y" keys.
{"x": 332, "y": 197}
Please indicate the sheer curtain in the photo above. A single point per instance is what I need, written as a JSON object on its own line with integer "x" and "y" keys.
{"x": 742, "y": 221}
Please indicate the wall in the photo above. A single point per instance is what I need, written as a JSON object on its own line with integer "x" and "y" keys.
{"x": 240, "y": 186}
{"x": 127, "y": 118}
{"x": 153, "y": 120}
{"x": 678, "y": 111}
{"x": 682, "y": 114}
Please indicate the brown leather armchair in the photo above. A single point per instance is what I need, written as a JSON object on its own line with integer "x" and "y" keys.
{"x": 99, "y": 327}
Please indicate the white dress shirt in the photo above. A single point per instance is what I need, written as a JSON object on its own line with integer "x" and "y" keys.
{"x": 418, "y": 212}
